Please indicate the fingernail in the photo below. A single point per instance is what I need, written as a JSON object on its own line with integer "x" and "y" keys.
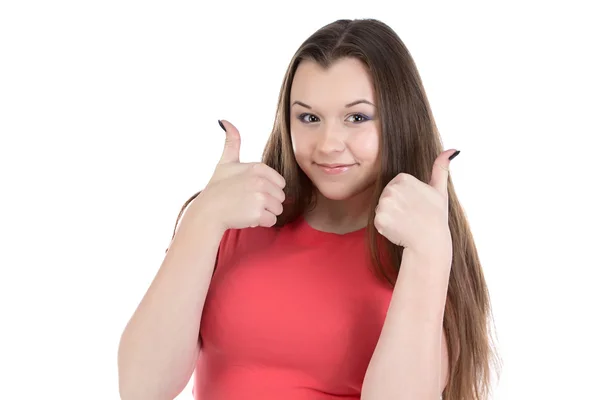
{"x": 221, "y": 125}
{"x": 457, "y": 152}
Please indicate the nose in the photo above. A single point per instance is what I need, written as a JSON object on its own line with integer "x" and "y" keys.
{"x": 331, "y": 139}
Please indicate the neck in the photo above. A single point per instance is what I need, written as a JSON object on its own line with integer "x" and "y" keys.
{"x": 340, "y": 216}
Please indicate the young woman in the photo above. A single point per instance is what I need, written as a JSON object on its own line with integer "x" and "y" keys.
{"x": 342, "y": 266}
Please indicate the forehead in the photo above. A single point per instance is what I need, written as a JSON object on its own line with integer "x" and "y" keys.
{"x": 344, "y": 81}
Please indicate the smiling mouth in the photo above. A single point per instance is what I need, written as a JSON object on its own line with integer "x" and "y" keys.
{"x": 334, "y": 169}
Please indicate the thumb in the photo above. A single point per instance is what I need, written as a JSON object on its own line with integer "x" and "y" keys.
{"x": 231, "y": 150}
{"x": 440, "y": 173}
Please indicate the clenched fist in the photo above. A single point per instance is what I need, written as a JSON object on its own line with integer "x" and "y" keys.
{"x": 414, "y": 214}
{"x": 240, "y": 195}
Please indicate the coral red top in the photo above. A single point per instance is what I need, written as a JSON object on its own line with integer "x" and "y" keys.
{"x": 292, "y": 313}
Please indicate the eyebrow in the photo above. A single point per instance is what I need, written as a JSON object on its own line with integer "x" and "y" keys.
{"x": 361, "y": 101}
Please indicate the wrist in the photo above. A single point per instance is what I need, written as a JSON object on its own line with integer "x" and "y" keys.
{"x": 201, "y": 215}
{"x": 195, "y": 232}
{"x": 437, "y": 245}
{"x": 438, "y": 252}
{"x": 432, "y": 271}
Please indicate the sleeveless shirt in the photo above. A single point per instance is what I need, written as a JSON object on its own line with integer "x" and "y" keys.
{"x": 291, "y": 313}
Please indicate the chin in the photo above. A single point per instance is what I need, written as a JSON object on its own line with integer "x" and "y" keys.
{"x": 338, "y": 191}
{"x": 336, "y": 194}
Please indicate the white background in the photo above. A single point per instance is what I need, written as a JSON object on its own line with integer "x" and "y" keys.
{"x": 108, "y": 123}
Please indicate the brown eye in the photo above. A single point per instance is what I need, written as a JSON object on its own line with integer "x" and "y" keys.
{"x": 358, "y": 118}
{"x": 308, "y": 118}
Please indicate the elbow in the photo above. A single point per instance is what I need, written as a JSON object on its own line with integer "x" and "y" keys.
{"x": 135, "y": 383}
{"x": 129, "y": 390}
{"x": 137, "y": 390}
{"x": 131, "y": 387}
{"x": 144, "y": 376}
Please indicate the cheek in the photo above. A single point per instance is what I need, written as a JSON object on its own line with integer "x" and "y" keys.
{"x": 365, "y": 146}
{"x": 300, "y": 146}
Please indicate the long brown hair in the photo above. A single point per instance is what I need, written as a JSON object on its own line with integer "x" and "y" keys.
{"x": 410, "y": 142}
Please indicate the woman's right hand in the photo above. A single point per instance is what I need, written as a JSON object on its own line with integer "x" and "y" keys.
{"x": 240, "y": 195}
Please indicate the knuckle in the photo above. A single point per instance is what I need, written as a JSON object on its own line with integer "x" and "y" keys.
{"x": 258, "y": 183}
{"x": 260, "y": 197}
{"x": 384, "y": 203}
{"x": 395, "y": 192}
{"x": 378, "y": 221}
{"x": 403, "y": 177}
{"x": 252, "y": 170}
{"x": 257, "y": 167}
{"x": 256, "y": 214}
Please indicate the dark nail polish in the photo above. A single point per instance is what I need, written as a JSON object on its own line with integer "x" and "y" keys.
{"x": 221, "y": 125}
{"x": 457, "y": 152}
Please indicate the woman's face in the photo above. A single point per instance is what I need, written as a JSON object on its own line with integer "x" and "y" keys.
{"x": 334, "y": 127}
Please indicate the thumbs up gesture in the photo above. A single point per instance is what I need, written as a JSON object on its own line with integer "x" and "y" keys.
{"x": 414, "y": 214}
{"x": 241, "y": 195}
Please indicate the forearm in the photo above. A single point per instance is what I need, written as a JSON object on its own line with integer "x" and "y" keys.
{"x": 158, "y": 348}
{"x": 407, "y": 361}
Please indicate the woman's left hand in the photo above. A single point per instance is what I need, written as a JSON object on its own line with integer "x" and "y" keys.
{"x": 414, "y": 214}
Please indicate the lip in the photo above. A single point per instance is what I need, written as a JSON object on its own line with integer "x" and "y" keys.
{"x": 334, "y": 169}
